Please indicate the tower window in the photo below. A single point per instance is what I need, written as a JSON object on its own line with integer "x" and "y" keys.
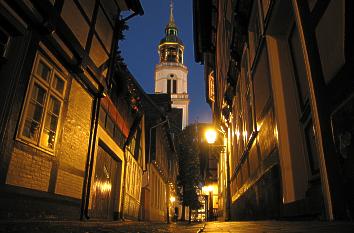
{"x": 172, "y": 54}
{"x": 169, "y": 86}
{"x": 172, "y": 32}
{"x": 174, "y": 87}
{"x": 180, "y": 56}
{"x": 171, "y": 75}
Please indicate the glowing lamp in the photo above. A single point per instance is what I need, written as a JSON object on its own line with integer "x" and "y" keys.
{"x": 210, "y": 135}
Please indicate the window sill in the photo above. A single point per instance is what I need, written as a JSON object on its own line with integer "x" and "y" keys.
{"x": 23, "y": 142}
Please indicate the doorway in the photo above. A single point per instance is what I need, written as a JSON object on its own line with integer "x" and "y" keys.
{"x": 106, "y": 186}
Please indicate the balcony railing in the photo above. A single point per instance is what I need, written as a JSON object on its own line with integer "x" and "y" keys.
{"x": 179, "y": 96}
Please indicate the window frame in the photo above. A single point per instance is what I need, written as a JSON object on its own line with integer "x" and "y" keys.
{"x": 35, "y": 79}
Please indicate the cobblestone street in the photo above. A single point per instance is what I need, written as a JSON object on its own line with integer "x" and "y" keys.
{"x": 279, "y": 227}
{"x": 95, "y": 227}
{"x": 145, "y": 227}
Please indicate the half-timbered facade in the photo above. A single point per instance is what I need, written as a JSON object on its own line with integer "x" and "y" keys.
{"x": 57, "y": 62}
{"x": 278, "y": 77}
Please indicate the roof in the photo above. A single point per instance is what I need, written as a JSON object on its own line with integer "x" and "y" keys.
{"x": 171, "y": 38}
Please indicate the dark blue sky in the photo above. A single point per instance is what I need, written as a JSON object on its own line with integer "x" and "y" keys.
{"x": 139, "y": 50}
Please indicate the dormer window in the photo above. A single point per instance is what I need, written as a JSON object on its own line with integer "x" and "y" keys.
{"x": 172, "y": 32}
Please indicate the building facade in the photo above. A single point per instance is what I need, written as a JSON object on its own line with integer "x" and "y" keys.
{"x": 59, "y": 156}
{"x": 160, "y": 176}
{"x": 171, "y": 75}
{"x": 278, "y": 76}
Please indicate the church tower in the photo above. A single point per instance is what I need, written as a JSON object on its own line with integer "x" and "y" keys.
{"x": 171, "y": 74}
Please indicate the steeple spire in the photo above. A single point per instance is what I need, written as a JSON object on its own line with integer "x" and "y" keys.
{"x": 172, "y": 20}
{"x": 171, "y": 27}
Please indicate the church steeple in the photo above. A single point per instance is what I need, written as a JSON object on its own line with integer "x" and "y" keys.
{"x": 171, "y": 75}
{"x": 171, "y": 28}
{"x": 171, "y": 47}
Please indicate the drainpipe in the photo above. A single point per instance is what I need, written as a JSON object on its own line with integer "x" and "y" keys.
{"x": 90, "y": 159}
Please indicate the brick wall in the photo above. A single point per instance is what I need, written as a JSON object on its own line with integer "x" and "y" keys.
{"x": 72, "y": 148}
{"x": 29, "y": 171}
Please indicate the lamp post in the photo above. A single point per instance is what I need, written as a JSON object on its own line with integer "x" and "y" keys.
{"x": 211, "y": 135}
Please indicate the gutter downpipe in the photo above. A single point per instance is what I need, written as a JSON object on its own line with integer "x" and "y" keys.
{"x": 90, "y": 159}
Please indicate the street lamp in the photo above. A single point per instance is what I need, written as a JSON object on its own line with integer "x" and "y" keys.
{"x": 210, "y": 135}
{"x": 172, "y": 199}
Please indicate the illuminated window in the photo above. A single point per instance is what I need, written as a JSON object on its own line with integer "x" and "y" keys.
{"x": 43, "y": 105}
{"x": 211, "y": 87}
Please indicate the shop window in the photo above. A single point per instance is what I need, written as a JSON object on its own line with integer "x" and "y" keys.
{"x": 42, "y": 110}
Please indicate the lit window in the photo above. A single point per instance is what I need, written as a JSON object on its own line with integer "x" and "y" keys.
{"x": 43, "y": 106}
{"x": 211, "y": 87}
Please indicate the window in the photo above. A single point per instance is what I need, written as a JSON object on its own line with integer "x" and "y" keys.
{"x": 171, "y": 54}
{"x": 169, "y": 86}
{"x": 43, "y": 106}
{"x": 180, "y": 56}
{"x": 174, "y": 87}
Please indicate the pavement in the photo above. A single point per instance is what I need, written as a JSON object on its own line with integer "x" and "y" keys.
{"x": 180, "y": 227}
{"x": 96, "y": 227}
{"x": 279, "y": 227}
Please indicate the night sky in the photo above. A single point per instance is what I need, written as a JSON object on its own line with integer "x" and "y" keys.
{"x": 140, "y": 50}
